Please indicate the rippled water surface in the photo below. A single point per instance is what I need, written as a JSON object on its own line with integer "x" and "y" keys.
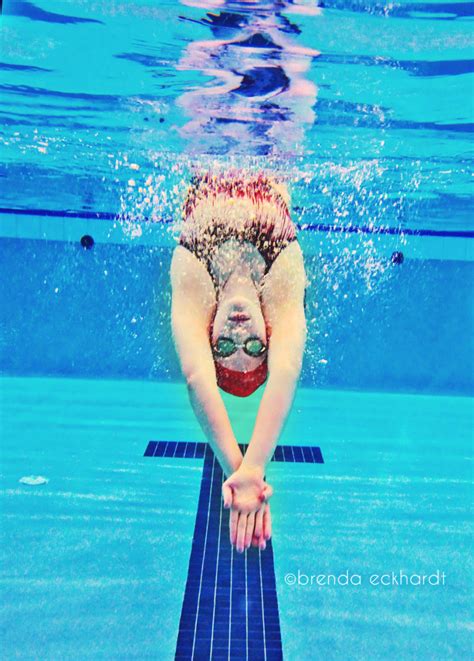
{"x": 364, "y": 107}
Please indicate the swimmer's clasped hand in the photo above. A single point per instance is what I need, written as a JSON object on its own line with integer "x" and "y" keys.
{"x": 245, "y": 489}
{"x": 246, "y": 494}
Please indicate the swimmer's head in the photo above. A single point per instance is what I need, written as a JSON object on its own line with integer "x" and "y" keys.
{"x": 239, "y": 342}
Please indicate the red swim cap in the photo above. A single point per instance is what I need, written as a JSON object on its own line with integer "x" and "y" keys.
{"x": 241, "y": 384}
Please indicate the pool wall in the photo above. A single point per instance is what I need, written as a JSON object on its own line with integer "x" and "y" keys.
{"x": 104, "y": 312}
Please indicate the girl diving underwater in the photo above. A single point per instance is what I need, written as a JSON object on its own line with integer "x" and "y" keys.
{"x": 238, "y": 284}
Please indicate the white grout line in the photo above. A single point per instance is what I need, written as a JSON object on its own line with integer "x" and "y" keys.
{"x": 217, "y": 572}
{"x": 263, "y": 608}
{"x": 203, "y": 555}
{"x": 230, "y": 600}
{"x": 246, "y": 611}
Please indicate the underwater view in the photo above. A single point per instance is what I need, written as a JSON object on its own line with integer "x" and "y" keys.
{"x": 236, "y": 330}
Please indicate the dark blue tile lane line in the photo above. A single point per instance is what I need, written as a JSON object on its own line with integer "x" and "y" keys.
{"x": 189, "y": 620}
{"x": 310, "y": 227}
{"x": 190, "y": 450}
{"x": 230, "y": 606}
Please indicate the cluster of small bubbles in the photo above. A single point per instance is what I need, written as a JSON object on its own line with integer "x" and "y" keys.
{"x": 161, "y": 304}
{"x": 153, "y": 192}
{"x": 351, "y": 205}
{"x": 33, "y": 143}
{"x": 347, "y": 278}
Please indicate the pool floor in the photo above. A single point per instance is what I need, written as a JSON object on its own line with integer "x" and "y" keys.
{"x": 96, "y": 560}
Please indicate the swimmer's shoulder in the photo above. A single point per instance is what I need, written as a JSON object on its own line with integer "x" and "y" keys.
{"x": 291, "y": 254}
{"x": 287, "y": 272}
{"x": 285, "y": 282}
{"x": 190, "y": 280}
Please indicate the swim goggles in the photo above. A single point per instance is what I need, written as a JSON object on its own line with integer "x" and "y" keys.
{"x": 225, "y": 346}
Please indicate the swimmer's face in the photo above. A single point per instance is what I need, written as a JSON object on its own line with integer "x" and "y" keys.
{"x": 239, "y": 319}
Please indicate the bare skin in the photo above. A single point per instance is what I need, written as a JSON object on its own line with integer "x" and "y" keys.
{"x": 278, "y": 306}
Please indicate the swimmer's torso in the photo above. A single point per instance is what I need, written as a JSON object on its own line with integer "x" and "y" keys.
{"x": 231, "y": 219}
{"x": 231, "y": 254}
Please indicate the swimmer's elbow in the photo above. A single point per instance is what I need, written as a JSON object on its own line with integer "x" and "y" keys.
{"x": 198, "y": 378}
{"x": 288, "y": 364}
{"x": 285, "y": 371}
{"x": 192, "y": 378}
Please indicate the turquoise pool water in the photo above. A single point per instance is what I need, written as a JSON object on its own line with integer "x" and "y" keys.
{"x": 95, "y": 561}
{"x": 365, "y": 109}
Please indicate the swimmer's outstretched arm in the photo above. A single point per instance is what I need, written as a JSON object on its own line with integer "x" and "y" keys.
{"x": 193, "y": 303}
{"x": 279, "y": 392}
{"x": 283, "y": 300}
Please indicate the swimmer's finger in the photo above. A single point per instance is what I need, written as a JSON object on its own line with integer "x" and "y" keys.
{"x": 241, "y": 530}
{"x": 258, "y": 532}
{"x": 267, "y": 524}
{"x": 227, "y": 495}
{"x": 233, "y": 522}
{"x": 267, "y": 493}
{"x": 249, "y": 530}
{"x": 262, "y": 542}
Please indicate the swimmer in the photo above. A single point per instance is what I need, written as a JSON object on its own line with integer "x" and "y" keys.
{"x": 238, "y": 283}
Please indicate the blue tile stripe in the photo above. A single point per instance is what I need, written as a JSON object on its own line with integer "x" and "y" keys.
{"x": 311, "y": 227}
{"x": 189, "y": 450}
{"x": 230, "y": 607}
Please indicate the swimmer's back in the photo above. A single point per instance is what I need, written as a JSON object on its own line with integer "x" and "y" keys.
{"x": 250, "y": 208}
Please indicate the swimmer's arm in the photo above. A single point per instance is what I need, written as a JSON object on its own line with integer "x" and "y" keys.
{"x": 193, "y": 302}
{"x": 283, "y": 299}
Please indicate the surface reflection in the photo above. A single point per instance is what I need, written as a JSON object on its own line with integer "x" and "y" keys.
{"x": 258, "y": 99}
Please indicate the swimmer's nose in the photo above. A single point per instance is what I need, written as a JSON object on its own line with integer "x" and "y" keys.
{"x": 238, "y": 305}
